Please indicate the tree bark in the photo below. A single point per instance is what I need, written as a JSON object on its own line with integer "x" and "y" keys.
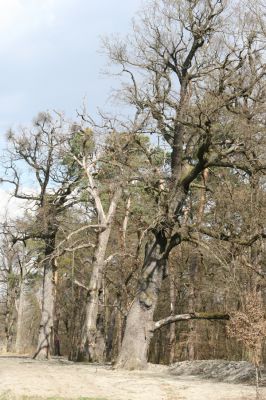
{"x": 9, "y": 312}
{"x": 172, "y": 330}
{"x": 110, "y": 335}
{"x": 48, "y": 299}
{"x": 92, "y": 346}
{"x": 191, "y": 307}
{"x": 194, "y": 274}
{"x": 139, "y": 325}
{"x": 56, "y": 335}
{"x": 92, "y": 342}
{"x": 19, "y": 346}
{"x": 8, "y": 329}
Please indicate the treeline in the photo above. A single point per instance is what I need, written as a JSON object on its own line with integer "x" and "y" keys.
{"x": 143, "y": 237}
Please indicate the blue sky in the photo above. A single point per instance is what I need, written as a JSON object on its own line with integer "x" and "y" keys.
{"x": 50, "y": 59}
{"x": 50, "y": 55}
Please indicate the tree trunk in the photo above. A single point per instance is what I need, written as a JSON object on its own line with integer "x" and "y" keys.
{"x": 172, "y": 330}
{"x": 139, "y": 325}
{"x": 56, "y": 334}
{"x": 194, "y": 274}
{"x": 114, "y": 331}
{"x": 48, "y": 299}
{"x": 110, "y": 335}
{"x": 193, "y": 270}
{"x": 9, "y": 316}
{"x": 8, "y": 331}
{"x": 92, "y": 344}
{"x": 20, "y": 344}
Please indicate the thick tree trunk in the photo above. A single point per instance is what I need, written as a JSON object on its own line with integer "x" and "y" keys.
{"x": 139, "y": 325}
{"x": 135, "y": 345}
{"x": 48, "y": 299}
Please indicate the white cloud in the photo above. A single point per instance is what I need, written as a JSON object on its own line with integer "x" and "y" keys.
{"x": 22, "y": 11}
{"x": 10, "y": 12}
{"x": 22, "y": 18}
{"x": 49, "y": 55}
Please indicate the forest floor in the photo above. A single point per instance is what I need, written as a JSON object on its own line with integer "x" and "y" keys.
{"x": 23, "y": 378}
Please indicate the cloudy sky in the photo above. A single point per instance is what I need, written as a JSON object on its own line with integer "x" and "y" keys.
{"x": 50, "y": 57}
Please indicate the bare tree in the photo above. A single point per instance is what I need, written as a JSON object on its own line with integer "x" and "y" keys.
{"x": 109, "y": 170}
{"x": 38, "y": 154}
{"x": 9, "y": 287}
{"x": 196, "y": 75}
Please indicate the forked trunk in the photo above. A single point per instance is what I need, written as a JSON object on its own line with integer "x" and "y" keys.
{"x": 139, "y": 326}
{"x": 47, "y": 313}
{"x": 92, "y": 343}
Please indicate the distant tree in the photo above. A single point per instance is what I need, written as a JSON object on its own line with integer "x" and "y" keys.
{"x": 9, "y": 283}
{"x": 35, "y": 167}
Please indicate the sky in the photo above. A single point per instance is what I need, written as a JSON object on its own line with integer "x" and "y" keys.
{"x": 51, "y": 58}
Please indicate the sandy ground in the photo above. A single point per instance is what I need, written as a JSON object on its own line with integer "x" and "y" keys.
{"x": 23, "y": 376}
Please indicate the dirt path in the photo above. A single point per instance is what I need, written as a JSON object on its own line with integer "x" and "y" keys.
{"x": 23, "y": 376}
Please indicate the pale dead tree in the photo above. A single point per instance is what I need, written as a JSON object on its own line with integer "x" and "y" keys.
{"x": 26, "y": 267}
{"x": 92, "y": 343}
{"x": 37, "y": 168}
{"x": 198, "y": 75}
{"x": 108, "y": 169}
